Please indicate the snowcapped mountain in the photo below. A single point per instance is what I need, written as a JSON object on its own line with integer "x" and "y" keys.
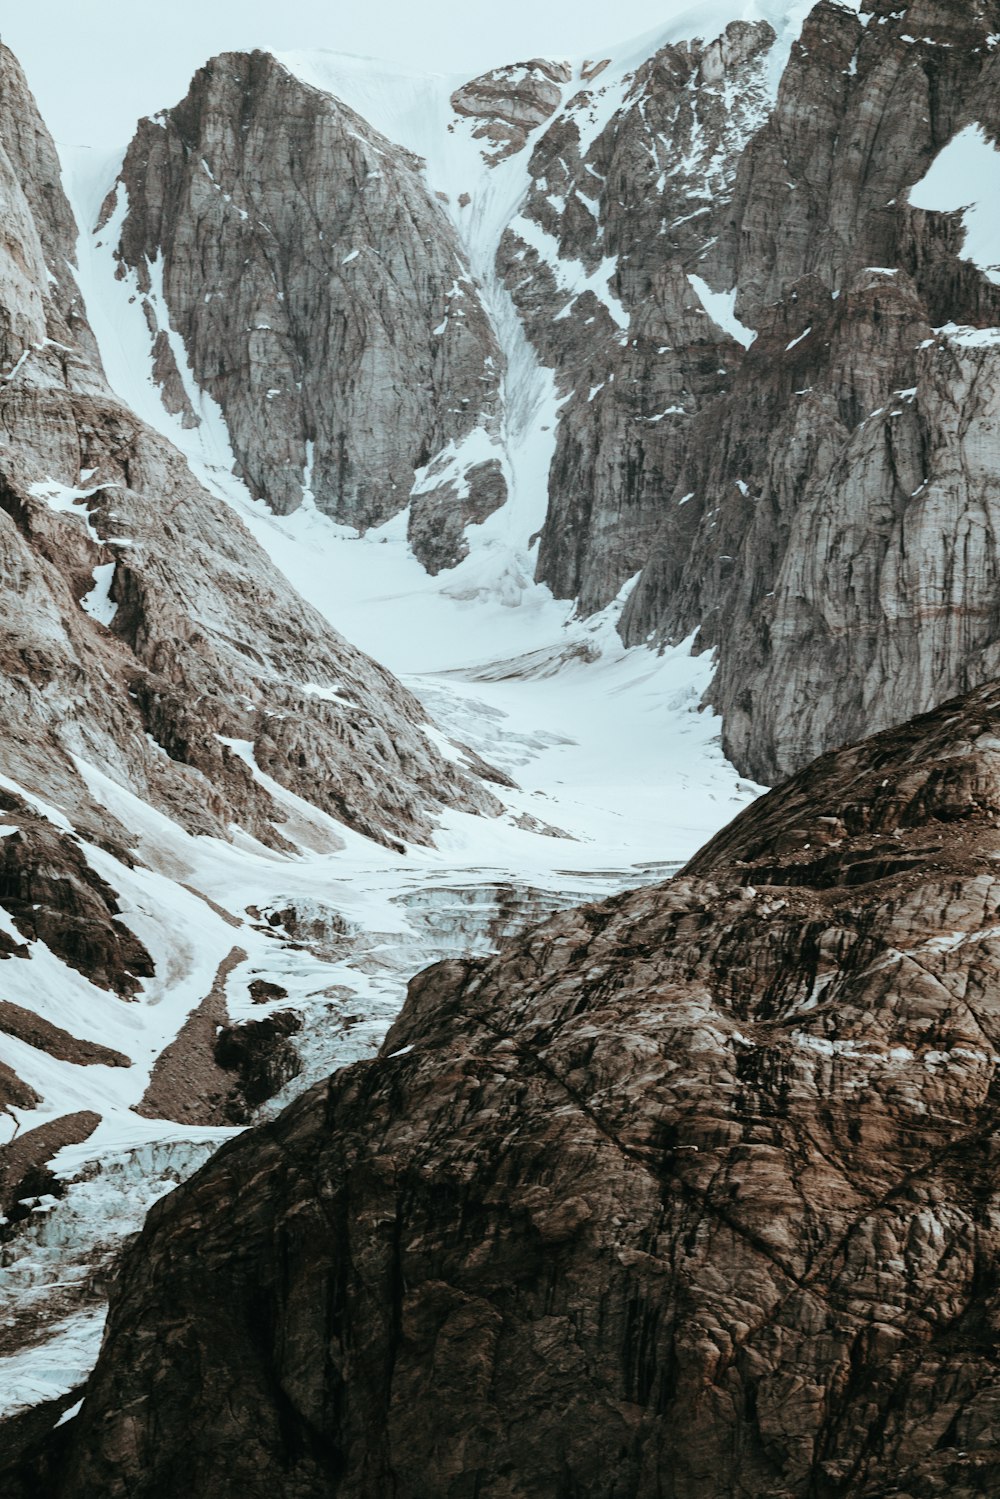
{"x": 393, "y": 465}
{"x": 683, "y": 315}
{"x": 229, "y": 836}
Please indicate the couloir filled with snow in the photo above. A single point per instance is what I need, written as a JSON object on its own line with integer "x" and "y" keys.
{"x": 619, "y": 772}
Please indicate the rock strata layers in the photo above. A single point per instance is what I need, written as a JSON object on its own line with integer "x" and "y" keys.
{"x": 509, "y": 103}
{"x": 692, "y": 1193}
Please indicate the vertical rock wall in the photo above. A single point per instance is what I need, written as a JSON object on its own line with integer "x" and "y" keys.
{"x": 319, "y": 291}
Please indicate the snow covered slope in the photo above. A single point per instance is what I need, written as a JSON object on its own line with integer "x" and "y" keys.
{"x": 617, "y": 776}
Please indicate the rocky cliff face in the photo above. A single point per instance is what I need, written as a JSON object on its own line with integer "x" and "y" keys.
{"x": 788, "y": 502}
{"x": 511, "y": 102}
{"x": 830, "y": 531}
{"x": 146, "y": 632}
{"x": 319, "y": 293}
{"x": 761, "y": 492}
{"x": 625, "y": 190}
{"x": 754, "y": 336}
{"x": 692, "y": 1193}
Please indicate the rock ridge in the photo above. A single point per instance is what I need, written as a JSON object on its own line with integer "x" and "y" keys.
{"x": 689, "y": 1193}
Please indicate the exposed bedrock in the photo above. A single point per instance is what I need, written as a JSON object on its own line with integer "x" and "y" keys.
{"x": 832, "y": 529}
{"x": 509, "y": 103}
{"x": 147, "y": 637}
{"x": 692, "y": 1193}
{"x": 596, "y": 263}
{"x": 319, "y": 292}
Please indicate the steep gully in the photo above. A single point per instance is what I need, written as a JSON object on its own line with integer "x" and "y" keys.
{"x": 103, "y": 841}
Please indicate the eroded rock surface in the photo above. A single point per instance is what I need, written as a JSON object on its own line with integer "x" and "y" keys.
{"x": 832, "y": 528}
{"x": 154, "y": 659}
{"x": 146, "y": 633}
{"x": 691, "y": 1193}
{"x": 319, "y": 292}
{"x": 774, "y": 416}
{"x": 510, "y": 102}
{"x": 769, "y": 414}
{"x": 626, "y": 193}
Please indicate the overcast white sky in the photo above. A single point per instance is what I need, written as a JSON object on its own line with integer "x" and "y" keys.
{"x": 95, "y": 66}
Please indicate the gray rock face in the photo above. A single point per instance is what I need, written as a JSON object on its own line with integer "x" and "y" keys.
{"x": 689, "y": 1193}
{"x": 319, "y": 291}
{"x": 832, "y": 529}
{"x": 510, "y": 102}
{"x": 446, "y": 502}
{"x": 760, "y": 494}
{"x": 149, "y": 647}
{"x": 624, "y": 211}
{"x": 145, "y": 631}
{"x": 351, "y": 354}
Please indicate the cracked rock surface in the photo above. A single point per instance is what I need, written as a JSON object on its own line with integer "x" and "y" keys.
{"x": 342, "y": 335}
{"x": 692, "y": 1193}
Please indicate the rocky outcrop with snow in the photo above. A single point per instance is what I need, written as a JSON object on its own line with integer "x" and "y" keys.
{"x": 694, "y": 1188}
{"x": 317, "y": 289}
{"x": 146, "y": 631}
{"x": 720, "y": 248}
{"x": 627, "y": 187}
{"x": 815, "y": 506}
{"x": 164, "y": 691}
{"x": 511, "y": 102}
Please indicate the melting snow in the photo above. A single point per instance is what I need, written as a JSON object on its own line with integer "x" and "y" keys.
{"x": 98, "y": 602}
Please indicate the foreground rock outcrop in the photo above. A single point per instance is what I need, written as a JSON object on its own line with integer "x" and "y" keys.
{"x": 690, "y": 1194}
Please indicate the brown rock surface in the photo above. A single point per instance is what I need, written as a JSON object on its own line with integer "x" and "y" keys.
{"x": 691, "y": 1194}
{"x": 23, "y": 1161}
{"x": 511, "y": 102}
{"x": 32, "y": 1029}
{"x": 52, "y": 895}
{"x": 187, "y": 1082}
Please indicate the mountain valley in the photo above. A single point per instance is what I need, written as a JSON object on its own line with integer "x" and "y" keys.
{"x": 431, "y": 510}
